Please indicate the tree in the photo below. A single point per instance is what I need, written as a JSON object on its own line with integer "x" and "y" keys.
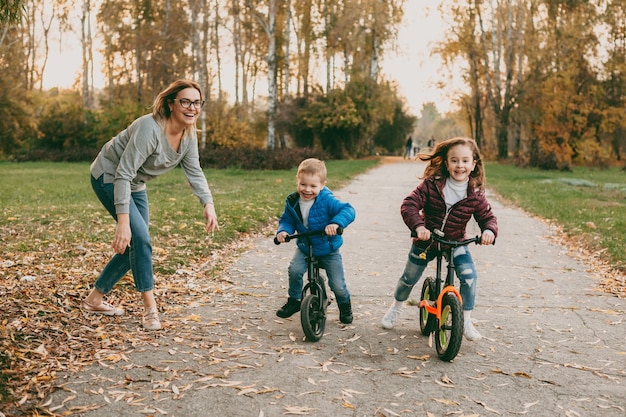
{"x": 269, "y": 25}
{"x": 11, "y": 11}
{"x": 501, "y": 41}
{"x": 391, "y": 133}
{"x": 567, "y": 87}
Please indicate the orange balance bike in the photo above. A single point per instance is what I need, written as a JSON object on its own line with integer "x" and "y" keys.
{"x": 441, "y": 305}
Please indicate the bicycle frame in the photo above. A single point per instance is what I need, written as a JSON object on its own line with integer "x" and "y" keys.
{"x": 449, "y": 281}
{"x": 315, "y": 283}
{"x": 314, "y": 295}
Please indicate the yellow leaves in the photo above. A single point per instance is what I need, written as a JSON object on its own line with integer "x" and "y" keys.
{"x": 419, "y": 358}
{"x": 112, "y": 358}
{"x": 42, "y": 350}
{"x": 295, "y": 410}
{"x": 445, "y": 382}
{"x": 445, "y": 401}
{"x": 518, "y": 374}
{"x": 193, "y": 317}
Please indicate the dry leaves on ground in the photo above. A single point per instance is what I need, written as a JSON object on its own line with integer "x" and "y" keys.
{"x": 43, "y": 331}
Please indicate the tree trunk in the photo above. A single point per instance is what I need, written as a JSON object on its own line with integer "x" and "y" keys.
{"x": 86, "y": 44}
{"x": 287, "y": 42}
{"x": 271, "y": 77}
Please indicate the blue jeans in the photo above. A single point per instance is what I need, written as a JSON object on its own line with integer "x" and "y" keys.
{"x": 415, "y": 266}
{"x": 333, "y": 265}
{"x": 138, "y": 257}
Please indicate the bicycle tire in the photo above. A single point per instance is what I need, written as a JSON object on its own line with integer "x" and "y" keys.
{"x": 450, "y": 331}
{"x": 313, "y": 317}
{"x": 428, "y": 322}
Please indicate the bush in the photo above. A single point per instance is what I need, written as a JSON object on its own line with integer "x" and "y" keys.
{"x": 79, "y": 154}
{"x": 254, "y": 158}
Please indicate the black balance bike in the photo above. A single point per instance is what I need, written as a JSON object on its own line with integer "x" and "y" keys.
{"x": 441, "y": 310}
{"x": 314, "y": 295}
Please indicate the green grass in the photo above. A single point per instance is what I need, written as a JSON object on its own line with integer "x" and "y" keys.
{"x": 51, "y": 205}
{"x": 47, "y": 205}
{"x": 589, "y": 204}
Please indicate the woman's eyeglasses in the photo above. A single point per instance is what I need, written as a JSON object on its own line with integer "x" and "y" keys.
{"x": 186, "y": 103}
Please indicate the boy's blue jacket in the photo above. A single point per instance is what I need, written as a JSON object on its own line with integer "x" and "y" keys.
{"x": 325, "y": 210}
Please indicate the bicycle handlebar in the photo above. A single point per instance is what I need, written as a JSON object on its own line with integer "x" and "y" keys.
{"x": 454, "y": 243}
{"x": 306, "y": 234}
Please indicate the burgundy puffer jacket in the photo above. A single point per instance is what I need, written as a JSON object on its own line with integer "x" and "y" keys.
{"x": 425, "y": 206}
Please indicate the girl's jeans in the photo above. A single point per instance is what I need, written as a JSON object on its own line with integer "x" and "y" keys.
{"x": 415, "y": 266}
{"x": 138, "y": 257}
{"x": 333, "y": 265}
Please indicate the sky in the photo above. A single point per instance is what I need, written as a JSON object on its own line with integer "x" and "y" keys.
{"x": 412, "y": 66}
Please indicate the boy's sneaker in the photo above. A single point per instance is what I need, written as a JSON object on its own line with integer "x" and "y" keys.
{"x": 391, "y": 317}
{"x": 470, "y": 331}
{"x": 291, "y": 307}
{"x": 345, "y": 312}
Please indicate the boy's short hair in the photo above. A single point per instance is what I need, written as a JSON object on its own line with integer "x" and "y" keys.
{"x": 313, "y": 166}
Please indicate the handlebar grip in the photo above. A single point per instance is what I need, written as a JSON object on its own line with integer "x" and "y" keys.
{"x": 287, "y": 239}
{"x": 340, "y": 230}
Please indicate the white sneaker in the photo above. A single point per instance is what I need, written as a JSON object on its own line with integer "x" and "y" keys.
{"x": 391, "y": 317}
{"x": 151, "y": 319}
{"x": 470, "y": 331}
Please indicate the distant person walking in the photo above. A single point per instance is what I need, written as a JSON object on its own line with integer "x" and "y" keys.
{"x": 151, "y": 146}
{"x": 408, "y": 147}
{"x": 451, "y": 193}
{"x": 431, "y": 143}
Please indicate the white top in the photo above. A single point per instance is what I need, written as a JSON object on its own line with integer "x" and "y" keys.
{"x": 454, "y": 191}
{"x": 305, "y": 207}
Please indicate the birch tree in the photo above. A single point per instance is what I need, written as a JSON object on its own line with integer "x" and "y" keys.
{"x": 501, "y": 39}
{"x": 87, "y": 55}
{"x": 268, "y": 22}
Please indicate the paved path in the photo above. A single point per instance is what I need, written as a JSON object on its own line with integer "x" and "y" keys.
{"x": 553, "y": 344}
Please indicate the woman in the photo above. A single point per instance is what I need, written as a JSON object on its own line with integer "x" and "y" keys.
{"x": 151, "y": 146}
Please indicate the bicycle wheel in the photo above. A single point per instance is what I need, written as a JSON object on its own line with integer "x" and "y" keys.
{"x": 450, "y": 332}
{"x": 312, "y": 317}
{"x": 428, "y": 322}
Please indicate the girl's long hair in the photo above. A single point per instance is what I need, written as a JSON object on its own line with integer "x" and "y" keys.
{"x": 437, "y": 161}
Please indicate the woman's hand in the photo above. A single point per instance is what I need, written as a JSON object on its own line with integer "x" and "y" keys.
{"x": 422, "y": 233}
{"x": 487, "y": 237}
{"x": 211, "y": 218}
{"x": 121, "y": 240}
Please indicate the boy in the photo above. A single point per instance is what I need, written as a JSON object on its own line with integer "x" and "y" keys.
{"x": 314, "y": 207}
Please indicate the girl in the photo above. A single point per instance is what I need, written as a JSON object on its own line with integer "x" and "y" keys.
{"x": 452, "y": 192}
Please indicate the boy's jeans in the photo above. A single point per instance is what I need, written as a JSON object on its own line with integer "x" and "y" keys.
{"x": 415, "y": 266}
{"x": 333, "y": 265}
{"x": 138, "y": 257}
